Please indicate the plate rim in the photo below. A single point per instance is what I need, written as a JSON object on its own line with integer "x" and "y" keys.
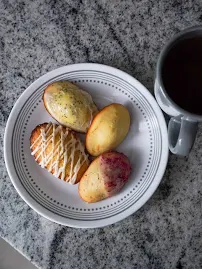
{"x": 53, "y": 216}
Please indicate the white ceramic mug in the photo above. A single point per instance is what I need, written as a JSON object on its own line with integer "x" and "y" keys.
{"x": 183, "y": 125}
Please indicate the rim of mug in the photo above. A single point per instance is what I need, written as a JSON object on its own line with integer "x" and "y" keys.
{"x": 161, "y": 59}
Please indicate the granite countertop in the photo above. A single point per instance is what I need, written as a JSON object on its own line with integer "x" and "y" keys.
{"x": 43, "y": 35}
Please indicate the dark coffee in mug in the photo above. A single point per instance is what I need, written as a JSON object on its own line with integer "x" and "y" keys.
{"x": 182, "y": 74}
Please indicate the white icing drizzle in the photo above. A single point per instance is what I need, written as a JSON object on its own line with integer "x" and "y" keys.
{"x": 61, "y": 152}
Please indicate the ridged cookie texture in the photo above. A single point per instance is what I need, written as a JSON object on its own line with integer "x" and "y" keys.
{"x": 60, "y": 151}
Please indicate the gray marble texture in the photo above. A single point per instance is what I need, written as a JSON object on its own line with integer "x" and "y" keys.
{"x": 39, "y": 36}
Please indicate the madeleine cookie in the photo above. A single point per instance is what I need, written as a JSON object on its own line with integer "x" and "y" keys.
{"x": 60, "y": 151}
{"x": 108, "y": 129}
{"x": 105, "y": 177}
{"x": 69, "y": 105}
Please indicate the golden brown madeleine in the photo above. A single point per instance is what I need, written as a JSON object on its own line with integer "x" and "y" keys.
{"x": 108, "y": 129}
{"x": 69, "y": 105}
{"x": 60, "y": 151}
{"x": 105, "y": 177}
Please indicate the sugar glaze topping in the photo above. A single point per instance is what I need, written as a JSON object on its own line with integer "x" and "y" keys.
{"x": 62, "y": 152}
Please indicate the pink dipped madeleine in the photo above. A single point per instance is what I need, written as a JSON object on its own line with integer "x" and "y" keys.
{"x": 105, "y": 177}
{"x": 115, "y": 169}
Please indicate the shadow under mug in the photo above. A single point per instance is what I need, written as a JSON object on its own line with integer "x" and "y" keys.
{"x": 183, "y": 125}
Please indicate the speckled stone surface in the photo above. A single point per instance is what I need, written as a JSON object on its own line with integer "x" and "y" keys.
{"x": 43, "y": 35}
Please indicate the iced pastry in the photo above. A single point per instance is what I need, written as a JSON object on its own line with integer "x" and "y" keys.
{"x": 60, "y": 151}
{"x": 69, "y": 105}
{"x": 105, "y": 177}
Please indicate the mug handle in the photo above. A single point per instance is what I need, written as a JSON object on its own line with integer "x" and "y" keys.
{"x": 181, "y": 135}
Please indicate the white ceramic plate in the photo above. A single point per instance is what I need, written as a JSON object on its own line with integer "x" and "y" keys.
{"x": 146, "y": 146}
